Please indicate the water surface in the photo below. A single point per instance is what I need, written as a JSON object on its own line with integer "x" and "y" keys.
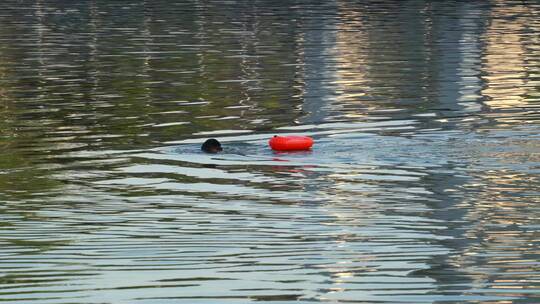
{"x": 422, "y": 187}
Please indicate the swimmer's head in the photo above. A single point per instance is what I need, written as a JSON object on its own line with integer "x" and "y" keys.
{"x": 211, "y": 145}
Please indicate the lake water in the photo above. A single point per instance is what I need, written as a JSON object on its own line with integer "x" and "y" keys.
{"x": 422, "y": 186}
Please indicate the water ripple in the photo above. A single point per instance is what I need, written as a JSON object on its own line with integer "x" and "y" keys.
{"x": 422, "y": 185}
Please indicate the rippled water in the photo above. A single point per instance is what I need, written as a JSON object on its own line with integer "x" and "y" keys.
{"x": 422, "y": 187}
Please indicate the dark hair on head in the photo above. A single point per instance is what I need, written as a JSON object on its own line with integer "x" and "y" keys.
{"x": 211, "y": 145}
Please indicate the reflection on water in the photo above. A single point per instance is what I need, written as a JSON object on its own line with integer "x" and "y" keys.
{"x": 422, "y": 186}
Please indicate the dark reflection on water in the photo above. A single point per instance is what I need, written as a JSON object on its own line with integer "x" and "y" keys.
{"x": 422, "y": 186}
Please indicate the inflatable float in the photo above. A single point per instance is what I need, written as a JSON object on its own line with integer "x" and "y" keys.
{"x": 290, "y": 143}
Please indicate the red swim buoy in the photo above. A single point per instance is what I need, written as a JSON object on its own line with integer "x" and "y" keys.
{"x": 290, "y": 143}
